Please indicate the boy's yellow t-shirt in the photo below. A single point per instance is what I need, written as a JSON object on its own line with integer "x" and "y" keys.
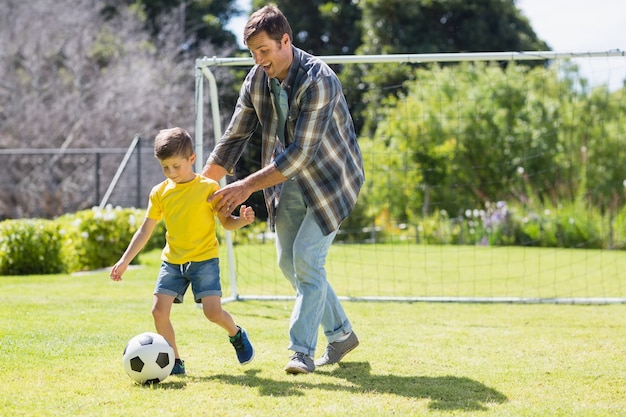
{"x": 189, "y": 219}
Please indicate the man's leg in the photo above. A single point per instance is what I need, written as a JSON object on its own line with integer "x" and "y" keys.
{"x": 302, "y": 250}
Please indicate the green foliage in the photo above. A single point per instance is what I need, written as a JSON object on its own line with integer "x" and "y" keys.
{"x": 203, "y": 19}
{"x": 31, "y": 246}
{"x": 435, "y": 26}
{"x": 97, "y": 238}
{"x": 617, "y": 229}
{"x": 520, "y": 135}
{"x": 322, "y": 27}
{"x": 106, "y": 48}
{"x": 562, "y": 226}
{"x": 571, "y": 227}
{"x": 428, "y": 26}
{"x": 85, "y": 240}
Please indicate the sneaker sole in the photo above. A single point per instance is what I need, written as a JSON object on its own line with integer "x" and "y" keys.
{"x": 297, "y": 370}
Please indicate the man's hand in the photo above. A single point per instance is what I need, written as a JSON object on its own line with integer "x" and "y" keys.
{"x": 230, "y": 196}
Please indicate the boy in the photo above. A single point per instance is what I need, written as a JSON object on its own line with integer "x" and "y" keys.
{"x": 190, "y": 255}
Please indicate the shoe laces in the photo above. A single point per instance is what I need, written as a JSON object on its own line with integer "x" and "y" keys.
{"x": 237, "y": 341}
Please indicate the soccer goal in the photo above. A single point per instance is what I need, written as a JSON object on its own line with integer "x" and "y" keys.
{"x": 490, "y": 178}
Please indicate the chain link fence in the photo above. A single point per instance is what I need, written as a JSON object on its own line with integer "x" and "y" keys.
{"x": 46, "y": 183}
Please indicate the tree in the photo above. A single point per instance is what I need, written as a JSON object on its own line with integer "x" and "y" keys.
{"x": 322, "y": 27}
{"x": 466, "y": 135}
{"x": 428, "y": 26}
{"x": 443, "y": 26}
{"x": 202, "y": 20}
{"x": 82, "y": 77}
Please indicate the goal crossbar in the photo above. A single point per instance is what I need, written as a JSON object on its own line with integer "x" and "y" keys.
{"x": 423, "y": 58}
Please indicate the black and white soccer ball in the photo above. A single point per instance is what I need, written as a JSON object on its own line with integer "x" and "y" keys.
{"x": 148, "y": 358}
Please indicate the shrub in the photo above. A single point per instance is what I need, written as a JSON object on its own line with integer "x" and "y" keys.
{"x": 436, "y": 229}
{"x": 30, "y": 246}
{"x": 97, "y": 238}
{"x": 619, "y": 230}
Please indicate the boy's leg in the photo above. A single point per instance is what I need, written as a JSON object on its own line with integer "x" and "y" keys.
{"x": 212, "y": 308}
{"x": 170, "y": 288}
{"x": 205, "y": 283}
{"x": 161, "y": 309}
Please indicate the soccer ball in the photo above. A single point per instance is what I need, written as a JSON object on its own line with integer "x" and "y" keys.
{"x": 148, "y": 358}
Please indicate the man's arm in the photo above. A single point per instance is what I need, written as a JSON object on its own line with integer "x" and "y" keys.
{"x": 213, "y": 171}
{"x": 238, "y": 192}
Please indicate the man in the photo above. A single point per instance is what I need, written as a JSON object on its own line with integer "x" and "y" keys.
{"x": 311, "y": 175}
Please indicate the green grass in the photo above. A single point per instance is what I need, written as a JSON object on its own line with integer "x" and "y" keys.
{"x": 408, "y": 270}
{"x": 62, "y": 337}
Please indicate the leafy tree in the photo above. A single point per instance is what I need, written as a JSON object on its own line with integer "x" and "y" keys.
{"x": 439, "y": 26}
{"x": 322, "y": 27}
{"x": 427, "y": 26}
{"x": 467, "y": 135}
{"x": 202, "y": 20}
{"x": 591, "y": 130}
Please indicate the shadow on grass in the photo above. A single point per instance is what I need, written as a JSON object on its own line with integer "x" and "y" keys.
{"x": 445, "y": 392}
{"x": 165, "y": 385}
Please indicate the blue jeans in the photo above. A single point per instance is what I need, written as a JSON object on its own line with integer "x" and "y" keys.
{"x": 204, "y": 278}
{"x": 302, "y": 250}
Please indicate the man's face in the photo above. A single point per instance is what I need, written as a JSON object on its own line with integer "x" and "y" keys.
{"x": 274, "y": 57}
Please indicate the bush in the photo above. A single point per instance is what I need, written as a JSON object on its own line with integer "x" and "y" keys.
{"x": 97, "y": 238}
{"x": 31, "y": 246}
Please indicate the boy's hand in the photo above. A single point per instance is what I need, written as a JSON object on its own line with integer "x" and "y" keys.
{"x": 246, "y": 214}
{"x": 117, "y": 271}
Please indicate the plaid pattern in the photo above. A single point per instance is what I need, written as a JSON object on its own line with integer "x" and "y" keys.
{"x": 323, "y": 153}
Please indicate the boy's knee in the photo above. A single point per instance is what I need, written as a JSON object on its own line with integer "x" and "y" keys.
{"x": 214, "y": 315}
{"x": 159, "y": 314}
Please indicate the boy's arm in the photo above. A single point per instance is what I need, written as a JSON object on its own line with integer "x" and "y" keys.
{"x": 139, "y": 240}
{"x": 230, "y": 222}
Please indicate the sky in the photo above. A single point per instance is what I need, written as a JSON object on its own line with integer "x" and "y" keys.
{"x": 566, "y": 26}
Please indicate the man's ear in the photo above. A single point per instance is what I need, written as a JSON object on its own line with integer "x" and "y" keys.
{"x": 285, "y": 40}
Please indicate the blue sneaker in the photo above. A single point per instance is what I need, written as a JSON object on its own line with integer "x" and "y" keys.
{"x": 179, "y": 367}
{"x": 243, "y": 347}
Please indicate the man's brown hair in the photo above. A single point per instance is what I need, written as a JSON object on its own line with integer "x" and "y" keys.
{"x": 270, "y": 20}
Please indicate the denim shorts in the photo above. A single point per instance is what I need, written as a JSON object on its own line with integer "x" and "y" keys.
{"x": 204, "y": 277}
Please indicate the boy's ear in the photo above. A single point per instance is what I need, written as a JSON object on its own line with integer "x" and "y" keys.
{"x": 192, "y": 158}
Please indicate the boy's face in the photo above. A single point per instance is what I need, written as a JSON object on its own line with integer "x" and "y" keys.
{"x": 178, "y": 168}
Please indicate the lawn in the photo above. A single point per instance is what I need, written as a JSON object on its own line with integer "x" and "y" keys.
{"x": 62, "y": 337}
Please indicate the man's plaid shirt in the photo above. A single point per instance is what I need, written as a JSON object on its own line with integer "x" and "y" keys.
{"x": 321, "y": 153}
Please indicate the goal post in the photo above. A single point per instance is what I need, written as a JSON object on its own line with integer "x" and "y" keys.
{"x": 419, "y": 270}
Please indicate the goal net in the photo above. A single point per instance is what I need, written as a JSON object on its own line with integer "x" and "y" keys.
{"x": 490, "y": 177}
